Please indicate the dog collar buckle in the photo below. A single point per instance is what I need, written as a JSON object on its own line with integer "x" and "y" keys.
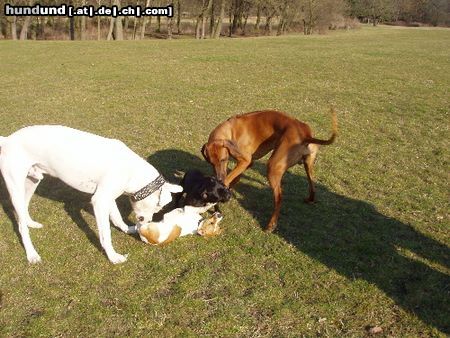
{"x": 148, "y": 189}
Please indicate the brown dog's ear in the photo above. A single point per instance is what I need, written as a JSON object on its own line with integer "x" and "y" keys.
{"x": 204, "y": 153}
{"x": 232, "y": 148}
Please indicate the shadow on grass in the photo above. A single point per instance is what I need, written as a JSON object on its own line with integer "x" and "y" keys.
{"x": 74, "y": 203}
{"x": 347, "y": 235}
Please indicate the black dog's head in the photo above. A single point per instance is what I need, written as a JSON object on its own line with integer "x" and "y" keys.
{"x": 199, "y": 190}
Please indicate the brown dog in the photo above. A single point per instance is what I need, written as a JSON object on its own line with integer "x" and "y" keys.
{"x": 250, "y": 136}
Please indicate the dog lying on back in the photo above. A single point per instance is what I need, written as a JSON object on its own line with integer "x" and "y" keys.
{"x": 200, "y": 190}
{"x": 180, "y": 222}
{"x": 199, "y": 194}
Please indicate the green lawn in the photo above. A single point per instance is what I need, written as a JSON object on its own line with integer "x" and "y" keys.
{"x": 374, "y": 250}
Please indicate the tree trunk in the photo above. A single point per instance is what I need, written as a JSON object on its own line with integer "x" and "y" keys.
{"x": 203, "y": 25}
{"x": 268, "y": 26}
{"x": 212, "y": 20}
{"x": 135, "y": 24}
{"x": 118, "y": 30}
{"x": 40, "y": 30}
{"x": 71, "y": 24}
{"x": 258, "y": 19}
{"x": 283, "y": 18}
{"x": 197, "y": 28}
{"x": 169, "y": 28}
{"x": 236, "y": 18}
{"x": 111, "y": 28}
{"x": 178, "y": 17}
{"x": 310, "y": 19}
{"x": 245, "y": 24}
{"x": 98, "y": 28}
{"x": 144, "y": 23}
{"x": 83, "y": 24}
{"x": 24, "y": 30}
{"x": 169, "y": 25}
{"x": 200, "y": 27}
{"x": 83, "y": 28}
{"x": 14, "y": 28}
{"x": 99, "y": 3}
{"x": 126, "y": 25}
{"x": 2, "y": 28}
{"x": 158, "y": 24}
{"x": 207, "y": 9}
{"x": 218, "y": 29}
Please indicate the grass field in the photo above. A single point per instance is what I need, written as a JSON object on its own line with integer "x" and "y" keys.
{"x": 374, "y": 250}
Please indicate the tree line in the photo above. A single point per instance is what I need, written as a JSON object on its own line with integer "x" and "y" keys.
{"x": 217, "y": 18}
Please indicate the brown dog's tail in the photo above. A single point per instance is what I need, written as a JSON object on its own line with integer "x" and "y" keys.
{"x": 333, "y": 135}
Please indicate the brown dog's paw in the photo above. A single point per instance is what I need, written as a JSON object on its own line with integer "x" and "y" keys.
{"x": 309, "y": 201}
{"x": 270, "y": 228}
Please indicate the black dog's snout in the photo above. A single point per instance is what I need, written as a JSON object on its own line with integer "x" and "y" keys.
{"x": 227, "y": 194}
{"x": 200, "y": 190}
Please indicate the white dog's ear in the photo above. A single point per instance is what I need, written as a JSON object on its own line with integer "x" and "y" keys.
{"x": 173, "y": 187}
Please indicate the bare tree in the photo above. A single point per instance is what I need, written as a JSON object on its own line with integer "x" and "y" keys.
{"x": 99, "y": 3}
{"x": 200, "y": 26}
{"x": 178, "y": 16}
{"x": 24, "y": 30}
{"x": 14, "y": 28}
{"x": 218, "y": 26}
{"x": 169, "y": 24}
{"x": 111, "y": 28}
{"x": 118, "y": 30}
{"x": 258, "y": 17}
{"x": 83, "y": 23}
{"x": 144, "y": 21}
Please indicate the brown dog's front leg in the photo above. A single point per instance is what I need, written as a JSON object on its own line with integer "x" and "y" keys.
{"x": 237, "y": 171}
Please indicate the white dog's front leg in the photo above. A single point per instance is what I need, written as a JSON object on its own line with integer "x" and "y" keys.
{"x": 102, "y": 209}
{"x": 117, "y": 220}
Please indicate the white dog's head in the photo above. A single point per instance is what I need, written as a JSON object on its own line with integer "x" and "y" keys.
{"x": 145, "y": 208}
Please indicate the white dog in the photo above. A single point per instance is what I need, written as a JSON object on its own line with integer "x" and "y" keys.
{"x": 180, "y": 222}
{"x": 104, "y": 167}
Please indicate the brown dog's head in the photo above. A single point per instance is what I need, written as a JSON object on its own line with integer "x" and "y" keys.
{"x": 217, "y": 153}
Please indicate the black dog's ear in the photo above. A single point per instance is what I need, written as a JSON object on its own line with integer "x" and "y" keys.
{"x": 204, "y": 152}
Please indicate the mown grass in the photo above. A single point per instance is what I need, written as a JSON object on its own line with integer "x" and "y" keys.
{"x": 374, "y": 251}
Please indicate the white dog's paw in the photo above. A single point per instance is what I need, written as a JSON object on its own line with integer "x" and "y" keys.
{"x": 35, "y": 225}
{"x": 34, "y": 258}
{"x": 132, "y": 229}
{"x": 118, "y": 258}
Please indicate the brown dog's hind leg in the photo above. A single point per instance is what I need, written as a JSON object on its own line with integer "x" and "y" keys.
{"x": 308, "y": 163}
{"x": 275, "y": 174}
{"x": 276, "y": 167}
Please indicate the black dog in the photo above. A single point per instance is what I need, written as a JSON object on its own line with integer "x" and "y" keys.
{"x": 199, "y": 190}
